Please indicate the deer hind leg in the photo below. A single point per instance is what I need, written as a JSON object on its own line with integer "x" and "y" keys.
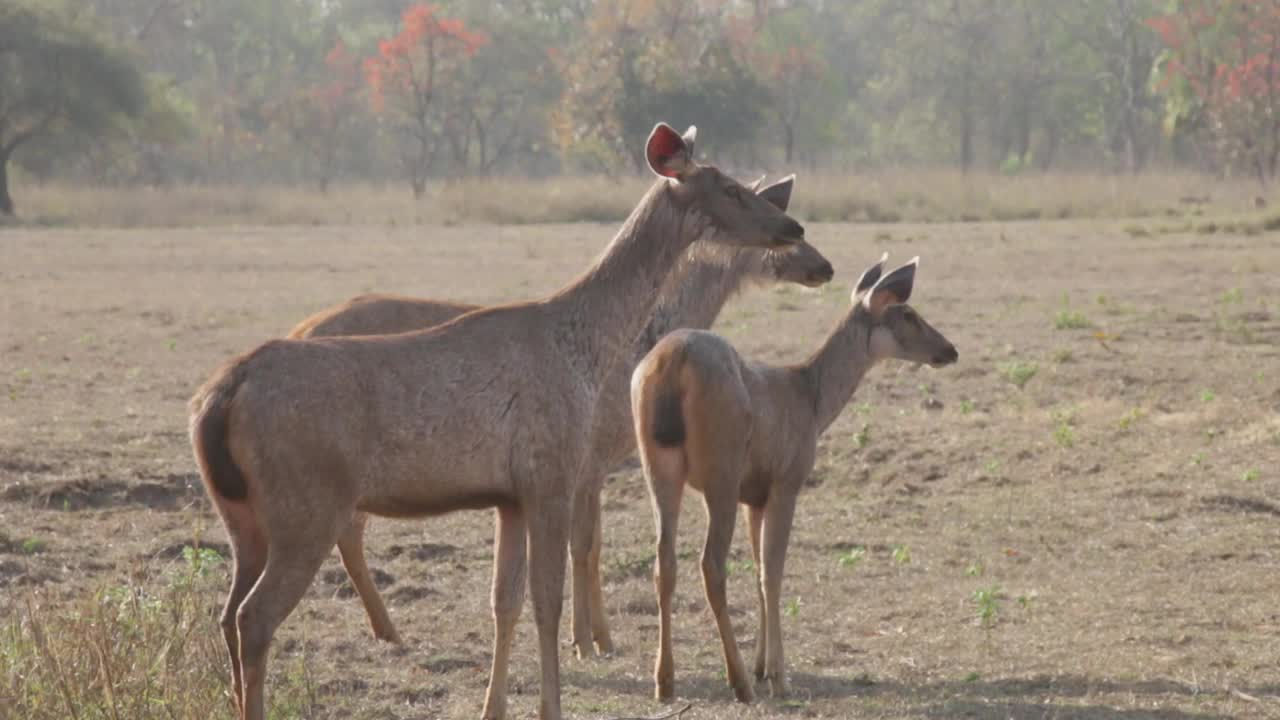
{"x": 249, "y": 557}
{"x": 584, "y": 528}
{"x": 296, "y": 549}
{"x": 721, "y": 495}
{"x": 665, "y": 470}
{"x": 509, "y": 564}
{"x": 755, "y": 519}
{"x": 779, "y": 513}
{"x": 351, "y": 550}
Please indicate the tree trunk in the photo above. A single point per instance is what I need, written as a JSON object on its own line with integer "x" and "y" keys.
{"x": 1050, "y": 148}
{"x": 6, "y": 202}
{"x": 966, "y": 141}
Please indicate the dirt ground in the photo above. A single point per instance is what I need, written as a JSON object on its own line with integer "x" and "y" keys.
{"x": 1116, "y": 518}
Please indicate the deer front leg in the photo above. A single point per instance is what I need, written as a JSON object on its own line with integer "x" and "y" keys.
{"x": 755, "y": 519}
{"x": 548, "y": 521}
{"x": 778, "y": 515}
{"x": 507, "y": 600}
{"x": 722, "y": 513}
{"x": 580, "y": 542}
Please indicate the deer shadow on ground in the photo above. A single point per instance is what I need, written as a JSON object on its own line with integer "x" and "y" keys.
{"x": 1033, "y": 698}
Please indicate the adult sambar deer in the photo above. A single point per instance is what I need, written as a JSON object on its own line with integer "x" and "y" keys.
{"x": 745, "y": 432}
{"x": 694, "y": 293}
{"x": 488, "y": 410}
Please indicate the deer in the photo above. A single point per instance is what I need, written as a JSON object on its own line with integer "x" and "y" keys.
{"x": 493, "y": 409}
{"x": 741, "y": 432}
{"x": 695, "y": 292}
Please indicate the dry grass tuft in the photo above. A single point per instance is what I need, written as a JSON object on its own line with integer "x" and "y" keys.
{"x": 145, "y": 648}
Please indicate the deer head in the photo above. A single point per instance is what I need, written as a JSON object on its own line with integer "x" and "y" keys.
{"x": 740, "y": 216}
{"x": 896, "y": 329}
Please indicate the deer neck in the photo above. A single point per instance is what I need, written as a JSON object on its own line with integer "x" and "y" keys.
{"x": 697, "y": 290}
{"x": 835, "y": 370}
{"x": 603, "y": 312}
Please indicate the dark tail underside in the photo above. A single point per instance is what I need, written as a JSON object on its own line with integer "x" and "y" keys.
{"x": 210, "y": 430}
{"x": 668, "y": 420}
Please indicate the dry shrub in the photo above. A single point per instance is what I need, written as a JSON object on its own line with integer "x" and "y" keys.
{"x": 146, "y": 648}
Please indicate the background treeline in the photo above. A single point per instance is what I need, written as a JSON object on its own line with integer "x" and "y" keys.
{"x": 309, "y": 92}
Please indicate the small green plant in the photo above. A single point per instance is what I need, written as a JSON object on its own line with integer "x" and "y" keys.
{"x": 1207, "y": 395}
{"x": 792, "y": 607}
{"x": 988, "y": 601}
{"x": 1019, "y": 372}
{"x": 973, "y": 677}
{"x": 1234, "y": 296}
{"x": 737, "y": 566}
{"x": 1063, "y": 355}
{"x": 1130, "y": 418}
{"x": 863, "y": 436}
{"x": 1024, "y": 601}
{"x": 864, "y": 408}
{"x": 851, "y": 557}
{"x": 1250, "y": 475}
{"x": 975, "y": 569}
{"x": 992, "y": 466}
{"x": 1067, "y": 319}
{"x": 1064, "y": 432}
{"x": 1064, "y": 435}
{"x": 1198, "y": 458}
{"x": 966, "y": 406}
{"x": 32, "y": 546}
{"x": 901, "y": 554}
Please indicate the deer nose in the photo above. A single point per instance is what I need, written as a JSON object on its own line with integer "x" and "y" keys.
{"x": 947, "y": 356}
{"x": 824, "y": 273}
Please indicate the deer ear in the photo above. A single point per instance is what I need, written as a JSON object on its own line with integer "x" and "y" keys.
{"x": 779, "y": 193}
{"x": 690, "y": 136}
{"x": 669, "y": 154}
{"x": 894, "y": 288}
{"x": 869, "y": 277}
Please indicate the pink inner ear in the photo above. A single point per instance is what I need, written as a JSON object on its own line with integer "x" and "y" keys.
{"x": 664, "y": 145}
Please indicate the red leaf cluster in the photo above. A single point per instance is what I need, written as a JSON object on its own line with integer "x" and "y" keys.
{"x": 427, "y": 42}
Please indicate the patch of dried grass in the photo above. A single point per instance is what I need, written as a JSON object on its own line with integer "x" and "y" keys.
{"x": 889, "y": 196}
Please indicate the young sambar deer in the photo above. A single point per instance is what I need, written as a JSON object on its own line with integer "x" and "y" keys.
{"x": 693, "y": 295}
{"x": 744, "y": 432}
{"x": 491, "y": 409}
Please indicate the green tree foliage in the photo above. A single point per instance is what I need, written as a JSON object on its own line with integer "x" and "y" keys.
{"x": 244, "y": 90}
{"x": 57, "y": 77}
{"x": 1220, "y": 74}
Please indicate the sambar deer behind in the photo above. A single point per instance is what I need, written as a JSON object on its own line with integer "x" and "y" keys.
{"x": 703, "y": 281}
{"x": 488, "y": 410}
{"x": 745, "y": 432}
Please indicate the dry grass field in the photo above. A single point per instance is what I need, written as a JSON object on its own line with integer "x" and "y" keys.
{"x": 1081, "y": 519}
{"x": 1171, "y": 200}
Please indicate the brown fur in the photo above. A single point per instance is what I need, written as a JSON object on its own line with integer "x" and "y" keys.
{"x": 751, "y": 433}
